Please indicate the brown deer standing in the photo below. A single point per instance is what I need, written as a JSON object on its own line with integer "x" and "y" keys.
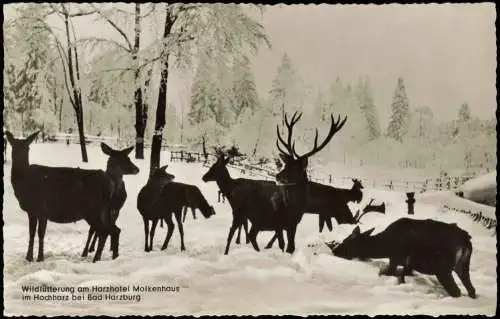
{"x": 66, "y": 195}
{"x": 292, "y": 180}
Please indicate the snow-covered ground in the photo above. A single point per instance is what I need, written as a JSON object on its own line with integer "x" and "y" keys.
{"x": 311, "y": 281}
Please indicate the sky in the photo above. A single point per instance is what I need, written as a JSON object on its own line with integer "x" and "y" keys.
{"x": 445, "y": 53}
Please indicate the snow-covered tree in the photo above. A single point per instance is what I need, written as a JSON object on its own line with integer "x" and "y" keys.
{"x": 400, "y": 118}
{"x": 368, "y": 108}
{"x": 464, "y": 113}
{"x": 286, "y": 94}
{"x": 244, "y": 88}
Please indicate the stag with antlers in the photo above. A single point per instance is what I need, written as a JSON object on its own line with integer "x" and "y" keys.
{"x": 292, "y": 180}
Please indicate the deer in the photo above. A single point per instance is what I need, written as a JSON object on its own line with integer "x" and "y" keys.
{"x": 244, "y": 195}
{"x": 328, "y": 202}
{"x": 119, "y": 195}
{"x": 195, "y": 200}
{"x": 292, "y": 181}
{"x": 66, "y": 195}
{"x": 319, "y": 201}
{"x": 428, "y": 246}
{"x": 159, "y": 199}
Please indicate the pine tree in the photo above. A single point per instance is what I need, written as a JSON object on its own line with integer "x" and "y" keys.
{"x": 369, "y": 110}
{"x": 244, "y": 88}
{"x": 285, "y": 93}
{"x": 400, "y": 118}
{"x": 464, "y": 113}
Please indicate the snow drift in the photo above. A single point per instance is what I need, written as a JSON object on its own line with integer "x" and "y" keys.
{"x": 482, "y": 189}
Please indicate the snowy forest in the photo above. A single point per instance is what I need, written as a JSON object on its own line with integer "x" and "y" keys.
{"x": 56, "y": 80}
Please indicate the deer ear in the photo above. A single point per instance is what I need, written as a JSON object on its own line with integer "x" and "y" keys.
{"x": 106, "y": 149}
{"x": 10, "y": 137}
{"x": 368, "y": 232}
{"x": 164, "y": 168}
{"x": 127, "y": 150}
{"x": 32, "y": 137}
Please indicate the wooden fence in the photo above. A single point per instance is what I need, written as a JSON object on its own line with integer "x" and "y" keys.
{"x": 477, "y": 216}
{"x": 430, "y": 184}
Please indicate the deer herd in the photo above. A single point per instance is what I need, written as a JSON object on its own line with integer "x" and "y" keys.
{"x": 67, "y": 195}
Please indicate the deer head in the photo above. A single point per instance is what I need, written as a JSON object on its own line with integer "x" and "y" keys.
{"x": 217, "y": 169}
{"x": 160, "y": 176}
{"x": 294, "y": 171}
{"x": 354, "y": 246}
{"x": 118, "y": 161}
{"x": 20, "y": 148}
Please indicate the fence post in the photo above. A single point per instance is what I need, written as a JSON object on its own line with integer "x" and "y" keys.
{"x": 410, "y": 201}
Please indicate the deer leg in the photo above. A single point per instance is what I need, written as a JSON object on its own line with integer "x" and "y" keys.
{"x": 152, "y": 233}
{"x": 89, "y": 237}
{"x": 115, "y": 241}
{"x": 146, "y": 233}
{"x": 181, "y": 229}
{"x": 328, "y": 222}
{"x": 232, "y": 229}
{"x": 271, "y": 242}
{"x": 194, "y": 212}
{"x": 254, "y": 231}
{"x": 281, "y": 240}
{"x": 462, "y": 270}
{"x": 170, "y": 231}
{"x": 93, "y": 234}
{"x": 321, "y": 221}
{"x": 245, "y": 226}
{"x": 32, "y": 227}
{"x": 184, "y": 212}
{"x": 42, "y": 226}
{"x": 449, "y": 284}
{"x": 389, "y": 270}
{"x": 238, "y": 235}
{"x": 103, "y": 235}
{"x": 290, "y": 234}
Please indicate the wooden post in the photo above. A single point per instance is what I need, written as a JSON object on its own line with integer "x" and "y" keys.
{"x": 411, "y": 201}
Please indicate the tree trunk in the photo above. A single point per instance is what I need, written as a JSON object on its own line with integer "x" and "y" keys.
{"x": 140, "y": 123}
{"x": 79, "y": 121}
{"x": 160, "y": 120}
{"x": 77, "y": 96}
{"x": 140, "y": 119}
{"x": 162, "y": 100}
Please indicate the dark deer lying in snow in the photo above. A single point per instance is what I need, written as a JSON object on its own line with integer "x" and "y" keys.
{"x": 161, "y": 198}
{"x": 67, "y": 195}
{"x": 244, "y": 195}
{"x": 292, "y": 180}
{"x": 427, "y": 246}
{"x": 117, "y": 160}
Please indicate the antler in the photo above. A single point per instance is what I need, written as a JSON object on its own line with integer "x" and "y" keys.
{"x": 290, "y": 148}
{"x": 369, "y": 208}
{"x": 334, "y": 128}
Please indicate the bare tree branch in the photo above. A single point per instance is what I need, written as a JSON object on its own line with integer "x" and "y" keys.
{"x": 153, "y": 7}
{"x": 116, "y": 27}
{"x": 102, "y": 40}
